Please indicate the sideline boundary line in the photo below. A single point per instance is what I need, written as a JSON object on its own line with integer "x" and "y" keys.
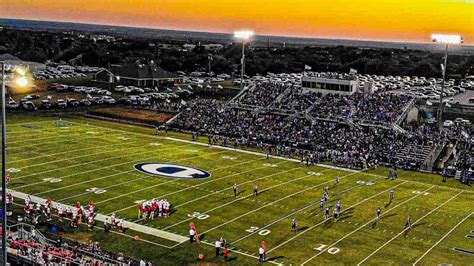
{"x": 260, "y": 154}
{"x": 102, "y": 218}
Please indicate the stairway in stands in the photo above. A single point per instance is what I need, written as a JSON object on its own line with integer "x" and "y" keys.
{"x": 414, "y": 153}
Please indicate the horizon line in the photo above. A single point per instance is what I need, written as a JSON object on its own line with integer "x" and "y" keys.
{"x": 231, "y": 33}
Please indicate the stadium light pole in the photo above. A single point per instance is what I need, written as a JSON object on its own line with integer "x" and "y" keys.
{"x": 21, "y": 81}
{"x": 446, "y": 40}
{"x": 244, "y": 36}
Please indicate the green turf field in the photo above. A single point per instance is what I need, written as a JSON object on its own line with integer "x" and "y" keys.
{"x": 81, "y": 160}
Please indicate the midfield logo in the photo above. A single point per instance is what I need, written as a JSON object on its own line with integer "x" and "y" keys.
{"x": 171, "y": 170}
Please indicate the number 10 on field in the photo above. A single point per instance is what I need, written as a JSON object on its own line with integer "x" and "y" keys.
{"x": 332, "y": 250}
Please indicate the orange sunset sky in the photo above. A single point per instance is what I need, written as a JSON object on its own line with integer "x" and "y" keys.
{"x": 390, "y": 20}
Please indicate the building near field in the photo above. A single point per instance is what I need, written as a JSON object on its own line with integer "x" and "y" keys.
{"x": 346, "y": 84}
{"x": 138, "y": 73}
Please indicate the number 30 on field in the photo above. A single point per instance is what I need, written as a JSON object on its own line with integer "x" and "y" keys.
{"x": 331, "y": 251}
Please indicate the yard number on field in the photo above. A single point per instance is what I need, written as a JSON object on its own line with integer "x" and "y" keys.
{"x": 314, "y": 173}
{"x": 254, "y": 229}
{"x": 52, "y": 180}
{"x": 198, "y": 215}
{"x": 270, "y": 165}
{"x": 96, "y": 190}
{"x": 419, "y": 192}
{"x": 367, "y": 183}
{"x": 331, "y": 251}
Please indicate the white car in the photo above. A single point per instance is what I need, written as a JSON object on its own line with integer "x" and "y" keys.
{"x": 108, "y": 100}
{"x": 448, "y": 123}
{"x": 61, "y": 103}
{"x": 120, "y": 88}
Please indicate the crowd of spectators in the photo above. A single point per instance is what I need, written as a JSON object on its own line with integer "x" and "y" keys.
{"x": 297, "y": 100}
{"x": 380, "y": 107}
{"x": 168, "y": 106}
{"x": 263, "y": 94}
{"x": 464, "y": 151}
{"x": 296, "y": 135}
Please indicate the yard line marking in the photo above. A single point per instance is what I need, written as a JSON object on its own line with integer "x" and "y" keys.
{"x": 74, "y": 150}
{"x": 242, "y": 198}
{"x": 175, "y": 180}
{"x": 81, "y": 156}
{"x": 228, "y": 188}
{"x": 325, "y": 220}
{"x": 148, "y": 176}
{"x": 81, "y": 130}
{"x": 215, "y": 146}
{"x": 76, "y": 131}
{"x": 364, "y": 225}
{"x": 190, "y": 187}
{"x": 50, "y": 136}
{"x": 21, "y": 125}
{"x": 92, "y": 162}
{"x": 107, "y": 176}
{"x": 102, "y": 135}
{"x": 280, "y": 199}
{"x": 82, "y": 135}
{"x": 302, "y": 209}
{"x": 406, "y": 229}
{"x": 47, "y": 150}
{"x": 238, "y": 252}
{"x": 55, "y": 142}
{"x": 46, "y": 120}
{"x": 115, "y": 129}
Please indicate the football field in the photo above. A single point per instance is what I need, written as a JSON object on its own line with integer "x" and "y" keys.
{"x": 116, "y": 166}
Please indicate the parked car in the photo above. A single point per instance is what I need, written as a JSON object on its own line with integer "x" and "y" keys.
{"x": 29, "y": 105}
{"x": 61, "y": 103}
{"x": 85, "y": 102}
{"x": 72, "y": 102}
{"x": 12, "y": 104}
{"x": 96, "y": 100}
{"x": 30, "y": 97}
{"x": 45, "y": 104}
{"x": 108, "y": 100}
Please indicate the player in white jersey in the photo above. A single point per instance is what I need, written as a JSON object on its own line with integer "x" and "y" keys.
{"x": 27, "y": 200}
{"x": 60, "y": 213}
{"x": 90, "y": 222}
{"x": 234, "y": 189}
{"x": 68, "y": 212}
{"x": 112, "y": 220}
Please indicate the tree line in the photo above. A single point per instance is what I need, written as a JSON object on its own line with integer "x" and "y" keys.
{"x": 40, "y": 46}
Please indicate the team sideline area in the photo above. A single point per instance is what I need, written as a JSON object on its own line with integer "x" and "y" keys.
{"x": 242, "y": 198}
